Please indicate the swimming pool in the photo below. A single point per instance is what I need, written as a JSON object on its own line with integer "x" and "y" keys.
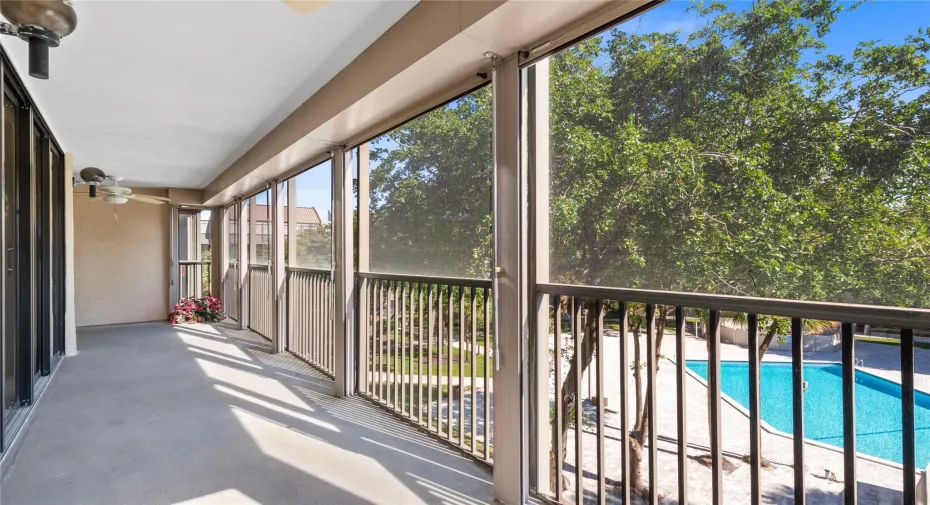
{"x": 878, "y": 406}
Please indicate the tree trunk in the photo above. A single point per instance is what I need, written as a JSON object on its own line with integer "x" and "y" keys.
{"x": 641, "y": 426}
{"x": 570, "y": 396}
{"x": 769, "y": 336}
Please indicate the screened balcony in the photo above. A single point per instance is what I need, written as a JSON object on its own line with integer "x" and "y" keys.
{"x": 152, "y": 413}
{"x": 566, "y": 252}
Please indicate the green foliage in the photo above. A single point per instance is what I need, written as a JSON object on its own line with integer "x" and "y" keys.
{"x": 431, "y": 192}
{"x": 744, "y": 159}
{"x": 314, "y": 247}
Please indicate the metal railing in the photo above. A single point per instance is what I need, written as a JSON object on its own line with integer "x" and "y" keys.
{"x": 612, "y": 459}
{"x": 311, "y": 333}
{"x": 194, "y": 279}
{"x": 430, "y": 356}
{"x": 261, "y": 300}
{"x": 231, "y": 291}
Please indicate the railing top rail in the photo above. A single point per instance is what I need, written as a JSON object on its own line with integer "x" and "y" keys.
{"x": 427, "y": 279}
{"x": 895, "y": 317}
{"x": 193, "y": 262}
{"x": 309, "y": 270}
{"x": 259, "y": 265}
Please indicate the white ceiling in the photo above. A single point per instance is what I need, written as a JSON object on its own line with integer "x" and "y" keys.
{"x": 170, "y": 93}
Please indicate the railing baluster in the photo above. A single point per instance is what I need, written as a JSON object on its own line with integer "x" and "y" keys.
{"x": 398, "y": 364}
{"x": 599, "y": 373}
{"x": 755, "y": 411}
{"x": 681, "y": 377}
{"x": 380, "y": 345}
{"x": 474, "y": 367}
{"x": 487, "y": 371}
{"x": 420, "y": 353}
{"x": 907, "y": 417}
{"x": 403, "y": 348}
{"x": 411, "y": 314}
{"x": 439, "y": 354}
{"x": 579, "y": 412}
{"x": 462, "y": 366}
{"x": 559, "y": 400}
{"x": 624, "y": 413}
{"x": 429, "y": 365}
{"x": 451, "y": 345}
{"x": 651, "y": 357}
{"x": 797, "y": 366}
{"x": 716, "y": 433}
{"x": 849, "y": 414}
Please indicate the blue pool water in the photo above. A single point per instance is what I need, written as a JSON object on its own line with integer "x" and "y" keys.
{"x": 878, "y": 406}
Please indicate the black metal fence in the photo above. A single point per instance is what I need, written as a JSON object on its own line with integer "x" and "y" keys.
{"x": 634, "y": 446}
{"x": 430, "y": 355}
{"x": 311, "y": 331}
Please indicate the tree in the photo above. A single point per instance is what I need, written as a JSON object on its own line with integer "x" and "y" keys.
{"x": 314, "y": 247}
{"x": 741, "y": 160}
{"x": 431, "y": 192}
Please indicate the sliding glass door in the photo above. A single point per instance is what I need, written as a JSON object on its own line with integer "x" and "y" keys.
{"x": 11, "y": 387}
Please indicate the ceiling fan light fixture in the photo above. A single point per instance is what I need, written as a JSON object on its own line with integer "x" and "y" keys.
{"x": 114, "y": 199}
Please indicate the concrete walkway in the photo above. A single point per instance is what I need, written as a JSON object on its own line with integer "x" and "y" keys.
{"x": 202, "y": 414}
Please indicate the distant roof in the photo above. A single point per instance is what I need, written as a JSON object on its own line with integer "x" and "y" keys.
{"x": 304, "y": 215}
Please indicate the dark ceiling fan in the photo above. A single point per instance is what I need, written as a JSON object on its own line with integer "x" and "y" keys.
{"x": 41, "y": 23}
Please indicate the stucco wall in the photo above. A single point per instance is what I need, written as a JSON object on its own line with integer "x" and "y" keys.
{"x": 121, "y": 265}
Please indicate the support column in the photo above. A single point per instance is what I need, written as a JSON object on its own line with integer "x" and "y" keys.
{"x": 243, "y": 264}
{"x": 291, "y": 252}
{"x": 363, "y": 263}
{"x": 509, "y": 286}
{"x": 221, "y": 253}
{"x": 278, "y": 279}
{"x": 70, "y": 316}
{"x": 174, "y": 278}
{"x": 536, "y": 160}
{"x": 343, "y": 263}
{"x": 217, "y": 250}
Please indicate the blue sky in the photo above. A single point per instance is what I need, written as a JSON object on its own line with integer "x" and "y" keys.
{"x": 885, "y": 21}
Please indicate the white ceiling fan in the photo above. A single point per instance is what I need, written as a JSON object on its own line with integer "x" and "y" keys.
{"x": 108, "y": 186}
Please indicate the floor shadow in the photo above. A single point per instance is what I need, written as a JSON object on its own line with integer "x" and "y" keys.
{"x": 152, "y": 413}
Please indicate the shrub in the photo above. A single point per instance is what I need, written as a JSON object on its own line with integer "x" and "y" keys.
{"x": 208, "y": 309}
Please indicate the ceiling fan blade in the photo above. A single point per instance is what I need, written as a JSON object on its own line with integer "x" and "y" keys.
{"x": 147, "y": 199}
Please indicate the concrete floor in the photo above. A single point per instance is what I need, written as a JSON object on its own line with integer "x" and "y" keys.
{"x": 198, "y": 414}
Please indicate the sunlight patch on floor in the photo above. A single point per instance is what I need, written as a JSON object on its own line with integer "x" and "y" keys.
{"x": 326, "y": 461}
{"x": 222, "y": 357}
{"x": 224, "y": 497}
{"x": 251, "y": 383}
{"x": 446, "y": 494}
{"x": 276, "y": 408}
{"x": 209, "y": 344}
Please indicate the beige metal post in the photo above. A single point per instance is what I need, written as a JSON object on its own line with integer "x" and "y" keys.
{"x": 363, "y": 265}
{"x": 279, "y": 320}
{"x": 217, "y": 250}
{"x": 291, "y": 251}
{"x": 509, "y": 285}
{"x": 344, "y": 271}
{"x": 536, "y": 159}
{"x": 243, "y": 265}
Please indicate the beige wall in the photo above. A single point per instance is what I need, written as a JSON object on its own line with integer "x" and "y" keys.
{"x": 121, "y": 265}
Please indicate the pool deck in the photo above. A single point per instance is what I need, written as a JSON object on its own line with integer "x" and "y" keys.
{"x": 878, "y": 482}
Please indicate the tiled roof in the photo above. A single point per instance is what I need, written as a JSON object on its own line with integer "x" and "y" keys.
{"x": 304, "y": 215}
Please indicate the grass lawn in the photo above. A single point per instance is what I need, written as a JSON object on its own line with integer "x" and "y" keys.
{"x": 412, "y": 366}
{"x": 888, "y": 341}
